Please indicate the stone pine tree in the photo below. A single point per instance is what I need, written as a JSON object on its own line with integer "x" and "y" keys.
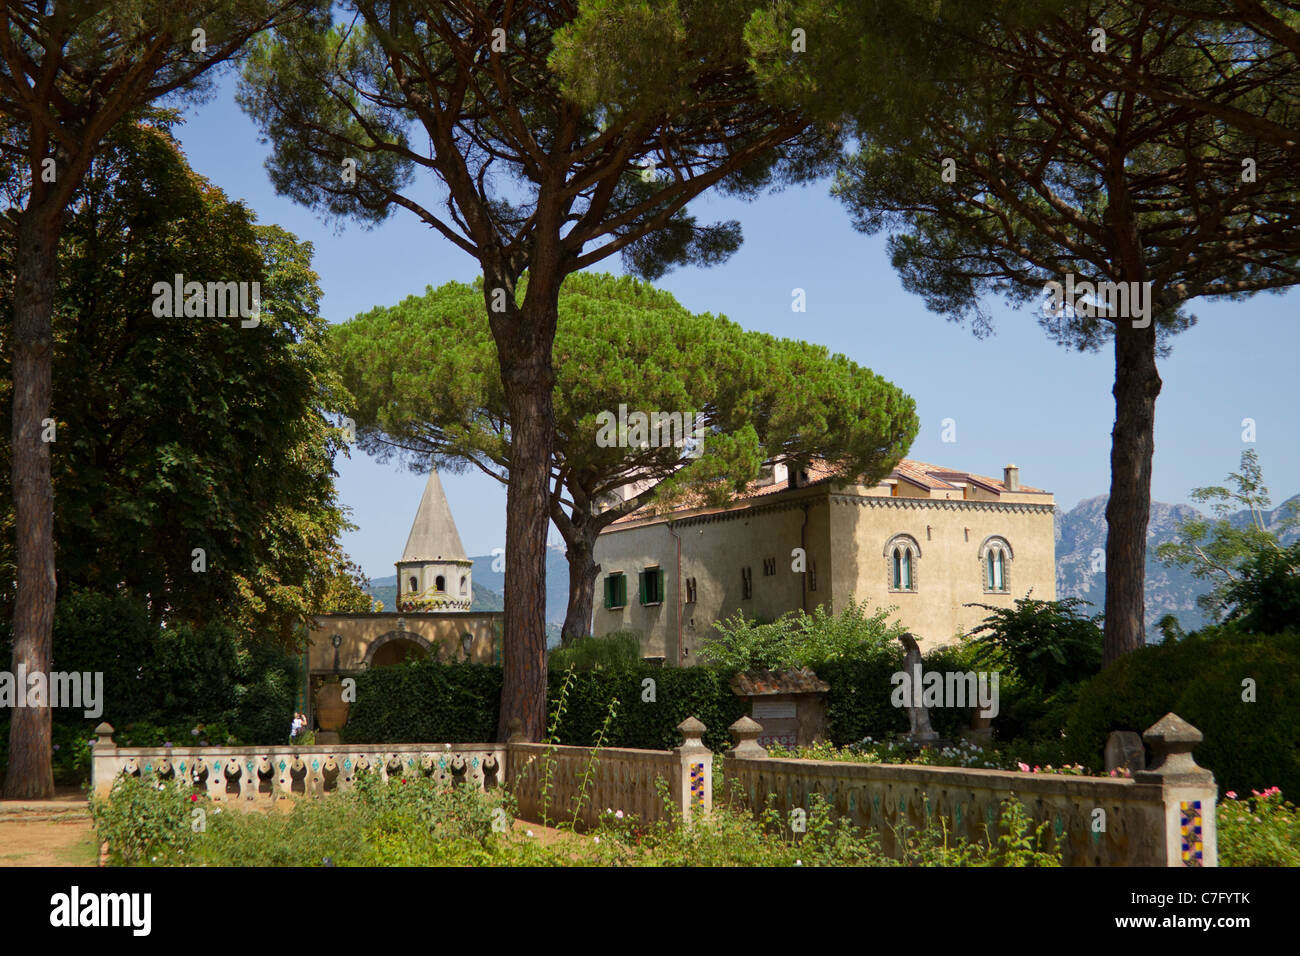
{"x": 423, "y": 376}
{"x": 537, "y": 137}
{"x": 1256, "y": 52}
{"x": 997, "y": 173}
{"x": 70, "y": 71}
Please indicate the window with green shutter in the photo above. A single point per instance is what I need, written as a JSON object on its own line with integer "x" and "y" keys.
{"x": 652, "y": 586}
{"x": 615, "y": 590}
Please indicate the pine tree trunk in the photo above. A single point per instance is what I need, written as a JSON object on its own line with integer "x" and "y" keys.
{"x": 30, "y": 774}
{"x": 1137, "y": 384}
{"x": 583, "y": 571}
{"x": 528, "y": 376}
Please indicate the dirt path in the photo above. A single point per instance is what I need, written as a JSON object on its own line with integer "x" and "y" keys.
{"x": 54, "y": 832}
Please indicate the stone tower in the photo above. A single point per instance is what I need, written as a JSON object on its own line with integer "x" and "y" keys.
{"x": 434, "y": 573}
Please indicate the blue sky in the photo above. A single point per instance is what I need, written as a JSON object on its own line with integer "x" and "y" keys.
{"x": 1015, "y": 397}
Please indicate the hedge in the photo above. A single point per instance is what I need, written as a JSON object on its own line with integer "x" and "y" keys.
{"x": 426, "y": 700}
{"x": 1248, "y": 745}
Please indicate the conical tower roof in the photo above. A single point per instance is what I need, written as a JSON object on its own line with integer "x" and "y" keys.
{"x": 433, "y": 534}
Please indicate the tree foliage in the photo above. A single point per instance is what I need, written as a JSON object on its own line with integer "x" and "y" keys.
{"x": 176, "y": 434}
{"x": 1228, "y": 553}
{"x": 547, "y": 155}
{"x": 423, "y": 376}
{"x": 1000, "y": 163}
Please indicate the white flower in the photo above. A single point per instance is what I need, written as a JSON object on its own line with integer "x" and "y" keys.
{"x": 798, "y": 862}
{"x": 597, "y": 839}
{"x": 619, "y": 815}
{"x": 530, "y": 832}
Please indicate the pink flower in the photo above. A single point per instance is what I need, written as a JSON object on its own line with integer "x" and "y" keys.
{"x": 1231, "y": 795}
{"x": 1024, "y": 767}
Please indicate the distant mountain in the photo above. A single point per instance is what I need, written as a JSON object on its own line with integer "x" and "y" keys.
{"x": 1081, "y": 533}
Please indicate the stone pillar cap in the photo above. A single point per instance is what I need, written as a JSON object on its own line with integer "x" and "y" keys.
{"x": 1171, "y": 740}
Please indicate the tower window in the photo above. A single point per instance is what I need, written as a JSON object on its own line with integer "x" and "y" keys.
{"x": 464, "y": 585}
{"x": 413, "y": 585}
{"x": 440, "y": 584}
{"x": 995, "y": 556}
{"x": 902, "y": 553}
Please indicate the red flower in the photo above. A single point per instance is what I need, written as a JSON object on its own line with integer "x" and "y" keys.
{"x": 193, "y": 797}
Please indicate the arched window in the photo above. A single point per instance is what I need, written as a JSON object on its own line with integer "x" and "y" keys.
{"x": 995, "y": 560}
{"x": 414, "y": 586}
{"x": 902, "y": 553}
{"x": 464, "y": 585}
{"x": 440, "y": 584}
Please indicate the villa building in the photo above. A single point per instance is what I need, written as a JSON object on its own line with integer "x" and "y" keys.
{"x": 927, "y": 540}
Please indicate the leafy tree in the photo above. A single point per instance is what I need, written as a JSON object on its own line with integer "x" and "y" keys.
{"x": 801, "y": 638}
{"x": 1257, "y": 578}
{"x": 183, "y": 433}
{"x": 1218, "y": 550}
{"x": 1045, "y": 644}
{"x": 69, "y": 72}
{"x": 555, "y": 135}
{"x": 423, "y": 376}
{"x": 1265, "y": 599}
{"x": 997, "y": 174}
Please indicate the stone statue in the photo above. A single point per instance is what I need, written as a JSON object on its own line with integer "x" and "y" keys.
{"x": 917, "y": 716}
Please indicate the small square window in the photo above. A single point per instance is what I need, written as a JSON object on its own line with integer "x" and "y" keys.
{"x": 769, "y": 567}
{"x": 690, "y": 590}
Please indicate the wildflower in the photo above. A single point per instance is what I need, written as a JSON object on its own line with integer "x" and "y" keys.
{"x": 193, "y": 797}
{"x": 798, "y": 862}
{"x": 1024, "y": 767}
{"x": 1231, "y": 795}
{"x": 194, "y": 732}
{"x": 597, "y": 839}
{"x": 530, "y": 833}
{"x": 619, "y": 815}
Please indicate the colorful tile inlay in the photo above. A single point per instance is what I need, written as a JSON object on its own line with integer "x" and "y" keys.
{"x": 697, "y": 784}
{"x": 1190, "y": 820}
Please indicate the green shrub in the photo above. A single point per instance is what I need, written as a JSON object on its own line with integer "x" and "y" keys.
{"x": 146, "y": 822}
{"x": 679, "y": 692}
{"x": 1045, "y": 645}
{"x": 1248, "y": 745}
{"x": 800, "y": 639}
{"x": 618, "y": 648}
{"x": 1263, "y": 830}
{"x": 425, "y": 701}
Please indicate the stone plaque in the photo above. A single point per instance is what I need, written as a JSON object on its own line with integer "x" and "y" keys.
{"x": 774, "y": 709}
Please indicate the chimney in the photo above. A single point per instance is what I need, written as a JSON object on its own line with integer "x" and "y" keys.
{"x": 1011, "y": 477}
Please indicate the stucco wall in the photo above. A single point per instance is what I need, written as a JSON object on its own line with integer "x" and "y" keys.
{"x": 949, "y": 573}
{"x": 845, "y": 535}
{"x": 442, "y": 632}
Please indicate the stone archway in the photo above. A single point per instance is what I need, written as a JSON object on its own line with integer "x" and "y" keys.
{"x": 395, "y": 647}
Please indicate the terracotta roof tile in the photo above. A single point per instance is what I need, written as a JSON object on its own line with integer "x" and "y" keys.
{"x": 919, "y": 473}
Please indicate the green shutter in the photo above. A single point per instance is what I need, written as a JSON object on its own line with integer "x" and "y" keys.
{"x": 622, "y": 590}
{"x": 659, "y": 583}
{"x": 641, "y": 583}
